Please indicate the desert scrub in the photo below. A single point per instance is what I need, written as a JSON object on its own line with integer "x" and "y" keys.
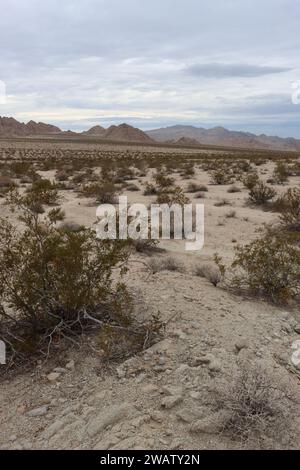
{"x": 150, "y": 190}
{"x": 270, "y": 267}
{"x": 289, "y": 206}
{"x": 258, "y": 408}
{"x": 177, "y": 196}
{"x": 103, "y": 193}
{"x": 209, "y": 271}
{"x": 250, "y": 180}
{"x": 220, "y": 176}
{"x": 281, "y": 173}
{"x": 43, "y": 191}
{"x": 165, "y": 264}
{"x": 261, "y": 193}
{"x": 58, "y": 283}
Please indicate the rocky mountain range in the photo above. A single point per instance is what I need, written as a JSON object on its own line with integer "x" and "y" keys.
{"x": 223, "y": 137}
{"x": 179, "y": 135}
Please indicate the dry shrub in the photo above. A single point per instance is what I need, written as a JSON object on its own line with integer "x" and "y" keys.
{"x": 234, "y": 189}
{"x": 165, "y": 264}
{"x": 194, "y": 188}
{"x": 150, "y": 190}
{"x": 210, "y": 272}
{"x": 261, "y": 194}
{"x": 258, "y": 408}
{"x": 118, "y": 343}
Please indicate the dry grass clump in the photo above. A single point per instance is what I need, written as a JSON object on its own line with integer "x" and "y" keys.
{"x": 169, "y": 263}
{"x": 195, "y": 188}
{"x": 209, "y": 271}
{"x": 259, "y": 409}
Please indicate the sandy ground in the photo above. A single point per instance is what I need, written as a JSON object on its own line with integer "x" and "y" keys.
{"x": 160, "y": 399}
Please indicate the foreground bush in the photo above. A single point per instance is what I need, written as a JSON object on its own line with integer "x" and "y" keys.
{"x": 57, "y": 283}
{"x": 257, "y": 408}
{"x": 268, "y": 266}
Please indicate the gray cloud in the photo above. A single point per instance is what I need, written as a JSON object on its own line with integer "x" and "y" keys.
{"x": 152, "y": 63}
{"x": 215, "y": 70}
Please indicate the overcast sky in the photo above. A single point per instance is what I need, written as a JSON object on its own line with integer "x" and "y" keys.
{"x": 152, "y": 63}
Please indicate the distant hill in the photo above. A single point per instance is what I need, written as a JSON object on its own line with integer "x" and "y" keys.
{"x": 186, "y": 141}
{"x": 96, "y": 131}
{"x": 10, "y": 127}
{"x": 126, "y": 133}
{"x": 223, "y": 137}
{"x": 179, "y": 135}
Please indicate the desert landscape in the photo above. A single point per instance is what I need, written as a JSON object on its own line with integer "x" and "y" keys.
{"x": 149, "y": 232}
{"x": 211, "y": 365}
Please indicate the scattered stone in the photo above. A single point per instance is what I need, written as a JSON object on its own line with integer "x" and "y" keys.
{"x": 150, "y": 388}
{"x": 212, "y": 424}
{"x": 297, "y": 329}
{"x": 241, "y": 344}
{"x": 70, "y": 365}
{"x": 110, "y": 416}
{"x": 53, "y": 377}
{"x": 172, "y": 390}
{"x": 157, "y": 416}
{"x": 36, "y": 412}
{"x": 171, "y": 402}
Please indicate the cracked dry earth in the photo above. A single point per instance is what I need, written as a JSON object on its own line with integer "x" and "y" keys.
{"x": 159, "y": 399}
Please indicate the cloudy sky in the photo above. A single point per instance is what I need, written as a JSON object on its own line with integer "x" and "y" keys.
{"x": 152, "y": 63}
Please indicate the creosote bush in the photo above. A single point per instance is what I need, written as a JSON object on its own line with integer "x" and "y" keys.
{"x": 261, "y": 193}
{"x": 289, "y": 205}
{"x": 269, "y": 266}
{"x": 56, "y": 283}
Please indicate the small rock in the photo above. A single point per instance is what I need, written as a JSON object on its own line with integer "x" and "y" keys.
{"x": 70, "y": 365}
{"x": 215, "y": 366}
{"x": 109, "y": 417}
{"x": 297, "y": 329}
{"x": 172, "y": 390}
{"x": 53, "y": 377}
{"x": 241, "y": 344}
{"x": 41, "y": 411}
{"x": 157, "y": 416}
{"x": 171, "y": 402}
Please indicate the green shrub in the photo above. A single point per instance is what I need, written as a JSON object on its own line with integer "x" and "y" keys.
{"x": 221, "y": 176}
{"x": 289, "y": 205}
{"x": 42, "y": 191}
{"x": 269, "y": 266}
{"x": 281, "y": 173}
{"x": 250, "y": 180}
{"x": 103, "y": 193}
{"x": 56, "y": 282}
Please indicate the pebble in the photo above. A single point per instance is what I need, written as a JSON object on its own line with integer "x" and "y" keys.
{"x": 36, "y": 412}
